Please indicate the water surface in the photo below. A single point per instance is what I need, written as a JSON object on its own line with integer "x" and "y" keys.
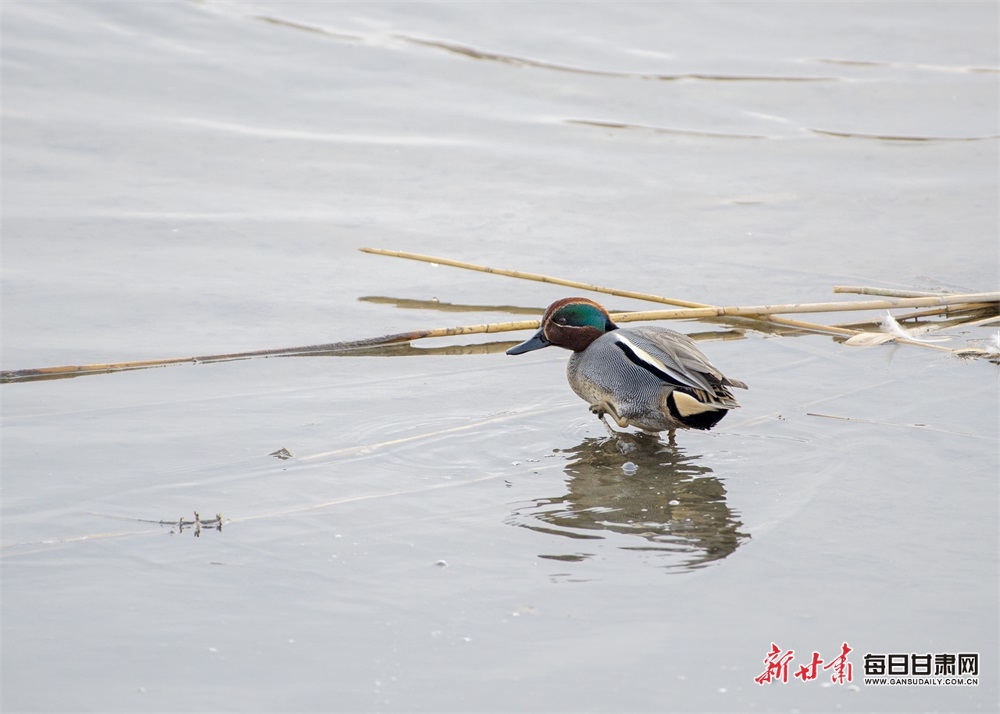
{"x": 451, "y": 531}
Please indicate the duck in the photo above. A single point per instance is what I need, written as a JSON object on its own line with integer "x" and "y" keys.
{"x": 648, "y": 377}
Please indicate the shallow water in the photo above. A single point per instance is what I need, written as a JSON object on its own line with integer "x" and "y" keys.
{"x": 452, "y": 532}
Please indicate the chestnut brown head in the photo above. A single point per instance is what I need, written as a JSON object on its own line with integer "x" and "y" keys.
{"x": 572, "y": 323}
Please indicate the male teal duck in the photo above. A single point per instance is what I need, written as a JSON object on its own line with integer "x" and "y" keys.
{"x": 648, "y": 377}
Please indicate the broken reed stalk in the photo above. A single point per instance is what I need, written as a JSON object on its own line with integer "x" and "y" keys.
{"x": 980, "y": 322}
{"x": 972, "y": 309}
{"x": 689, "y": 310}
{"x": 700, "y": 310}
{"x": 750, "y": 310}
{"x": 784, "y": 322}
{"x": 818, "y": 307}
{"x": 537, "y": 277}
{"x": 19, "y": 375}
{"x": 496, "y": 327}
{"x": 885, "y": 292}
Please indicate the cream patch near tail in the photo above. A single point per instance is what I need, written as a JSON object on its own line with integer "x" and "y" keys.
{"x": 688, "y": 406}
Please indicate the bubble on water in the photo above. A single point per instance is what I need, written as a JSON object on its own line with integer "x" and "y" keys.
{"x": 441, "y": 563}
{"x": 628, "y": 468}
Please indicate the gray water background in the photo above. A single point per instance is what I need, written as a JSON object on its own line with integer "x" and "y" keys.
{"x": 452, "y": 532}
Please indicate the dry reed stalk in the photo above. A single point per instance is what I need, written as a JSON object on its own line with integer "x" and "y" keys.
{"x": 956, "y": 312}
{"x": 492, "y": 328}
{"x": 537, "y": 277}
{"x": 702, "y": 311}
{"x": 791, "y": 308}
{"x": 688, "y": 310}
{"x": 971, "y": 323}
{"x": 21, "y": 375}
{"x": 885, "y": 292}
{"x": 647, "y": 297}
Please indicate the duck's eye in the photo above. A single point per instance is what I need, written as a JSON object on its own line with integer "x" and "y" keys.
{"x": 561, "y": 321}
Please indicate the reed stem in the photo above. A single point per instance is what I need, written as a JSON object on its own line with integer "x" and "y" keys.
{"x": 687, "y": 311}
{"x": 647, "y": 297}
{"x": 885, "y": 292}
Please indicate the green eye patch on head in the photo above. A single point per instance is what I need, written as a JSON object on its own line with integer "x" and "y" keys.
{"x": 581, "y": 315}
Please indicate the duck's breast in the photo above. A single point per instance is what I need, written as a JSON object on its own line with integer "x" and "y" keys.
{"x": 605, "y": 373}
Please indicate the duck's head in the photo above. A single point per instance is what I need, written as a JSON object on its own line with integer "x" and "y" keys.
{"x": 572, "y": 323}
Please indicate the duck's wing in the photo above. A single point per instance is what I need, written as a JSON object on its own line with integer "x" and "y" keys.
{"x": 678, "y": 357}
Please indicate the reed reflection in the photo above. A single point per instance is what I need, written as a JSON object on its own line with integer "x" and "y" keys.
{"x": 670, "y": 501}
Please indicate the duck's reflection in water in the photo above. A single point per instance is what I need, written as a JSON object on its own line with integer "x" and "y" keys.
{"x": 665, "y": 497}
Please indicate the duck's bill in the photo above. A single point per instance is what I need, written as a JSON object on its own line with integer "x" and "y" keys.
{"x": 535, "y": 343}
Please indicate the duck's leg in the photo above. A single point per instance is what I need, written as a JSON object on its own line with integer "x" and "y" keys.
{"x": 601, "y": 412}
{"x": 611, "y": 432}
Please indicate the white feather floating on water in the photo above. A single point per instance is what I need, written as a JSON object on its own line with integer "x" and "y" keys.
{"x": 992, "y": 344}
{"x": 891, "y": 326}
{"x": 892, "y": 330}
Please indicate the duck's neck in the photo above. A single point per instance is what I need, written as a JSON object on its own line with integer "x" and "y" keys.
{"x": 578, "y": 339}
